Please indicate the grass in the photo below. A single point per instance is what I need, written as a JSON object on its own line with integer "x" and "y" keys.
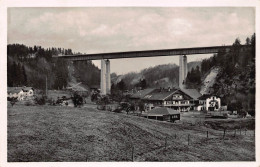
{"x": 55, "y": 133}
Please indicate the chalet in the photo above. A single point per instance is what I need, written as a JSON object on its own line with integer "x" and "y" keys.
{"x": 163, "y": 114}
{"x": 173, "y": 98}
{"x": 209, "y": 103}
{"x": 20, "y": 92}
{"x": 141, "y": 93}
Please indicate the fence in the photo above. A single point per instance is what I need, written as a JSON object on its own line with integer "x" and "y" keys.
{"x": 206, "y": 136}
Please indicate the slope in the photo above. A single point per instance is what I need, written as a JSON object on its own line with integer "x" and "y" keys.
{"x": 49, "y": 133}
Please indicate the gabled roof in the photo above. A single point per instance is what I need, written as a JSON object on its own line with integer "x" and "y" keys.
{"x": 140, "y": 94}
{"x": 192, "y": 93}
{"x": 205, "y": 96}
{"x": 160, "y": 111}
{"x": 162, "y": 94}
{"x": 159, "y": 94}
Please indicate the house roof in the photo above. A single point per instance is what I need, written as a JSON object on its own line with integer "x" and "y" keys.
{"x": 17, "y": 89}
{"x": 160, "y": 111}
{"x": 140, "y": 94}
{"x": 205, "y": 96}
{"x": 162, "y": 94}
{"x": 192, "y": 93}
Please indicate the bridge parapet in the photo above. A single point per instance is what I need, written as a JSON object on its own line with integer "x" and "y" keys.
{"x": 148, "y": 53}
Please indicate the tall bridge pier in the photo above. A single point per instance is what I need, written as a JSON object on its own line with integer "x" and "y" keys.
{"x": 105, "y": 81}
{"x": 183, "y": 70}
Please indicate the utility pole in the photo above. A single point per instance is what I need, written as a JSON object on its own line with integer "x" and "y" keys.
{"x": 46, "y": 91}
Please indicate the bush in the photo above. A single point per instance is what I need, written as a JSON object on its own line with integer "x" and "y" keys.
{"x": 29, "y": 103}
{"x": 40, "y": 100}
{"x": 77, "y": 100}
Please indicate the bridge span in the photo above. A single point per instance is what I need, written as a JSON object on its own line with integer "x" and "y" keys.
{"x": 105, "y": 84}
{"x": 147, "y": 53}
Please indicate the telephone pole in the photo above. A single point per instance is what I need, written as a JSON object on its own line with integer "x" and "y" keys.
{"x": 46, "y": 90}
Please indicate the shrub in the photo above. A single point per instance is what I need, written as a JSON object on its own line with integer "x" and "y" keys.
{"x": 29, "y": 103}
{"x": 40, "y": 100}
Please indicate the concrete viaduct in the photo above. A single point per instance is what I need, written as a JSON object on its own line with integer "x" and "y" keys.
{"x": 105, "y": 84}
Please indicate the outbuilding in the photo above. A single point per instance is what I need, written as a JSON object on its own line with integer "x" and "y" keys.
{"x": 163, "y": 114}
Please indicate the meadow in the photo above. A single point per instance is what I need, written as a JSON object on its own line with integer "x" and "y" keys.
{"x": 58, "y": 133}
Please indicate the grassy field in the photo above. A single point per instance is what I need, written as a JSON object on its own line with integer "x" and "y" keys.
{"x": 55, "y": 133}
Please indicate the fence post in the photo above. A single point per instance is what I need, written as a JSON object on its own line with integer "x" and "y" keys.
{"x": 245, "y": 131}
{"x": 132, "y": 153}
{"x": 224, "y": 134}
{"x": 175, "y": 136}
{"x": 240, "y": 130}
{"x": 165, "y": 143}
{"x": 207, "y": 134}
{"x": 188, "y": 139}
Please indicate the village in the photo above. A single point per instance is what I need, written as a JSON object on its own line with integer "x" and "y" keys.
{"x": 131, "y": 84}
{"x": 162, "y": 104}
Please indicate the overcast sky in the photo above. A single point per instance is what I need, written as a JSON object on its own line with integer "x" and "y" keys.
{"x": 96, "y": 30}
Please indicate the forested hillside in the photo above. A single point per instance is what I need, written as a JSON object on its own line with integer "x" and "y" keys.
{"x": 166, "y": 75}
{"x": 31, "y": 66}
{"x": 235, "y": 83}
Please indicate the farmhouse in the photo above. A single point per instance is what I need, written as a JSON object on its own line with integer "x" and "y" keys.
{"x": 170, "y": 98}
{"x": 209, "y": 103}
{"x": 163, "y": 114}
{"x": 141, "y": 93}
{"x": 20, "y": 92}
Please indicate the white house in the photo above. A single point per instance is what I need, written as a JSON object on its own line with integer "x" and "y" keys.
{"x": 209, "y": 103}
{"x": 20, "y": 92}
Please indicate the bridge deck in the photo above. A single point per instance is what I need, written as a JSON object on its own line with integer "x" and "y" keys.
{"x": 147, "y": 53}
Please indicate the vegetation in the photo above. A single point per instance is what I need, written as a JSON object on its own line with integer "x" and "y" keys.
{"x": 49, "y": 133}
{"x": 193, "y": 77}
{"x": 31, "y": 66}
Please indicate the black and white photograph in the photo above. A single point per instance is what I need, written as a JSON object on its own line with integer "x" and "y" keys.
{"x": 130, "y": 84}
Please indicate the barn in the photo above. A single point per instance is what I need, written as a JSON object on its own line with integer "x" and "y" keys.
{"x": 163, "y": 114}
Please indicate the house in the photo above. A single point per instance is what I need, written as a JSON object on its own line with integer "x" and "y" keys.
{"x": 171, "y": 98}
{"x": 209, "y": 103}
{"x": 140, "y": 94}
{"x": 20, "y": 92}
{"x": 194, "y": 94}
{"x": 163, "y": 114}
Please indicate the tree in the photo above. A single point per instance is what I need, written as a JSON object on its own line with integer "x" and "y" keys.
{"x": 253, "y": 45}
{"x": 143, "y": 84}
{"x": 24, "y": 81}
{"x": 248, "y": 42}
{"x": 121, "y": 85}
{"x": 236, "y": 49}
{"x": 141, "y": 105}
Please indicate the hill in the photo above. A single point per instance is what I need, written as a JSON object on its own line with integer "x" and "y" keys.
{"x": 49, "y": 133}
{"x": 31, "y": 66}
{"x": 235, "y": 79}
{"x": 166, "y": 75}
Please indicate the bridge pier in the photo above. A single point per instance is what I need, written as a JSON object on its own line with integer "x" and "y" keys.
{"x": 183, "y": 70}
{"x": 108, "y": 79}
{"x": 105, "y": 81}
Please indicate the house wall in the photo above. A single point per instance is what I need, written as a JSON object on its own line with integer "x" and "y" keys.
{"x": 213, "y": 101}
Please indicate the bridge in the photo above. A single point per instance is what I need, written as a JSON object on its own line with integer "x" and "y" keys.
{"x": 105, "y": 84}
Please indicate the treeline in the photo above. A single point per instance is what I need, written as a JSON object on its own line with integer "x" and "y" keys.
{"x": 235, "y": 83}
{"x": 87, "y": 73}
{"x": 16, "y": 74}
{"x": 32, "y": 66}
{"x": 159, "y": 76}
{"x": 236, "y": 57}
{"x": 230, "y": 62}
{"x": 194, "y": 77}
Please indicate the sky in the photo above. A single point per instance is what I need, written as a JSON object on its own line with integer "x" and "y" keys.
{"x": 107, "y": 29}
